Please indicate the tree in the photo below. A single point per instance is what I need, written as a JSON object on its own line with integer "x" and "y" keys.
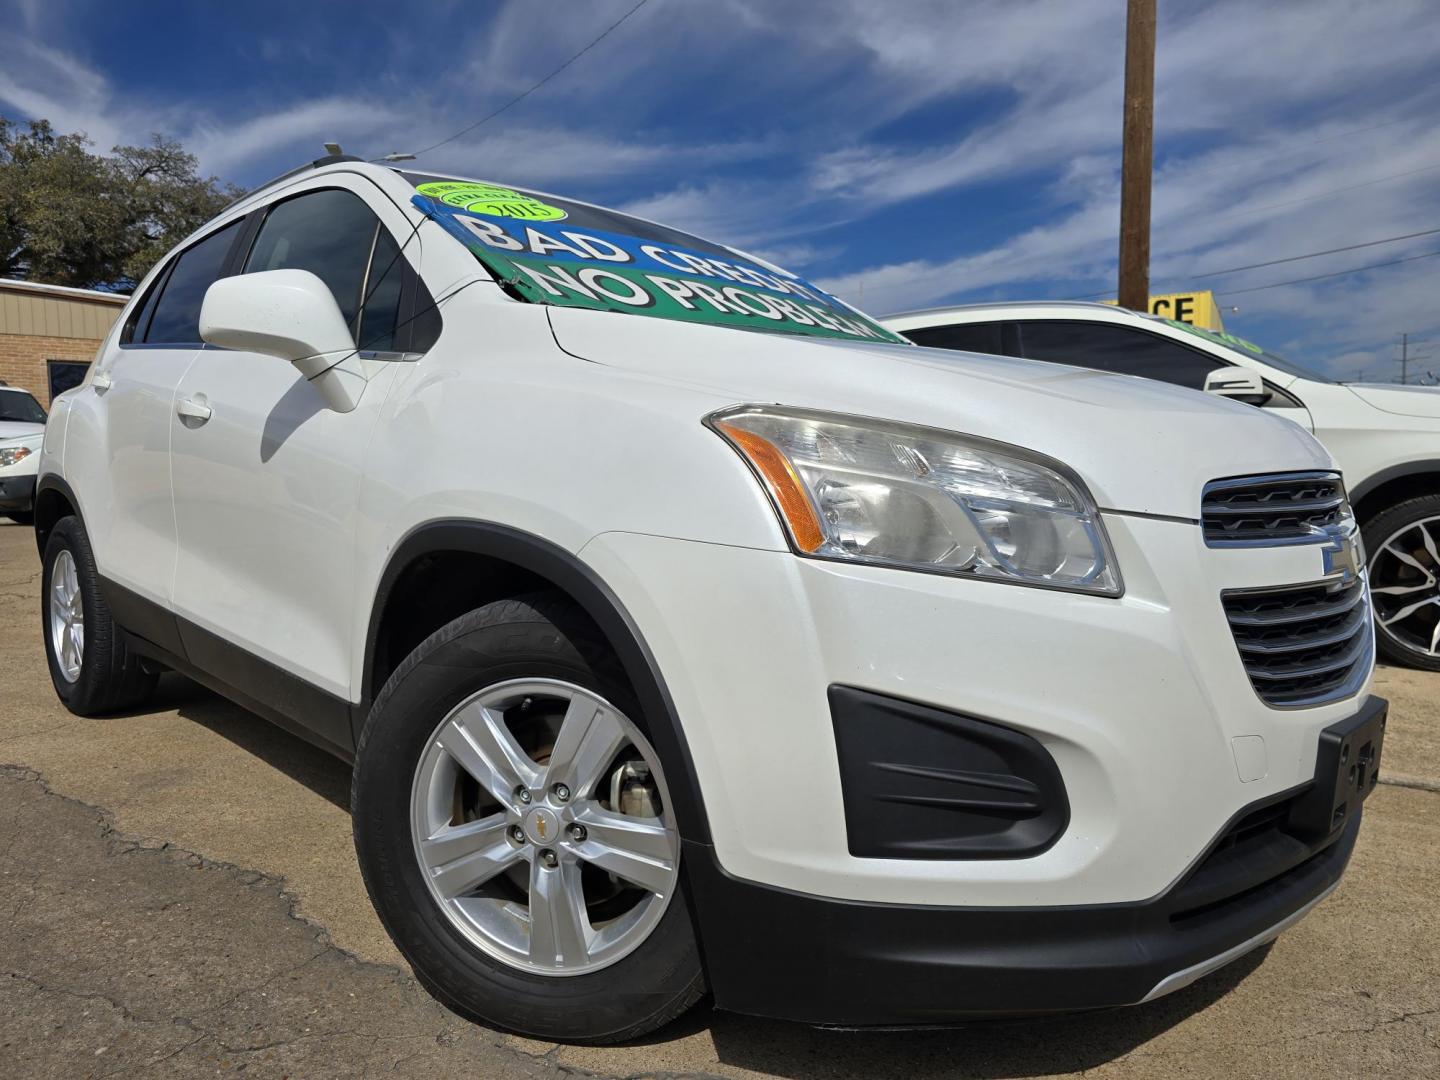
{"x": 72, "y": 217}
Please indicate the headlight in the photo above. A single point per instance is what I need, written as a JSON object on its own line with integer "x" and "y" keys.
{"x": 871, "y": 491}
{"x": 9, "y": 455}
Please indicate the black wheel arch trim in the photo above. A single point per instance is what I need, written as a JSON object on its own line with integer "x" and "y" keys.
{"x": 569, "y": 573}
{"x": 1374, "y": 482}
{"x": 54, "y": 482}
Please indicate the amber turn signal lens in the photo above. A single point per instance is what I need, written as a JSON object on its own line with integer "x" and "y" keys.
{"x": 784, "y": 484}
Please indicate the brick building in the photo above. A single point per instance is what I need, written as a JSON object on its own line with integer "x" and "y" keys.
{"x": 49, "y": 334}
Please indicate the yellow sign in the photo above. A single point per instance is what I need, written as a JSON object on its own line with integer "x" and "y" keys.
{"x": 1196, "y": 308}
{"x": 490, "y": 199}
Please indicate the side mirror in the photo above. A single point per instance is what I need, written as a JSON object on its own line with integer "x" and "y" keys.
{"x": 293, "y": 315}
{"x": 1239, "y": 383}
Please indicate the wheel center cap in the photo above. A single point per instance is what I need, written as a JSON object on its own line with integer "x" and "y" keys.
{"x": 542, "y": 826}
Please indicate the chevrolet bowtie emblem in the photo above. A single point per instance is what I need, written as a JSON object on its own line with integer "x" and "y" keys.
{"x": 1341, "y": 555}
{"x": 540, "y": 826}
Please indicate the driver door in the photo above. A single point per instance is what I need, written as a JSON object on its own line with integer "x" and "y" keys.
{"x": 267, "y": 478}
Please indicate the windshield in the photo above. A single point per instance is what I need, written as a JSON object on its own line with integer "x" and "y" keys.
{"x": 16, "y": 405}
{"x": 1249, "y": 348}
{"x": 549, "y": 250}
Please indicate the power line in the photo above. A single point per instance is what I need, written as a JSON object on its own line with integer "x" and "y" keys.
{"x": 522, "y": 96}
{"x": 1337, "y": 273}
{"x": 1324, "y": 194}
{"x": 1287, "y": 259}
{"x": 1316, "y": 254}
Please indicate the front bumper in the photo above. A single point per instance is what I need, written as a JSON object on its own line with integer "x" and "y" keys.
{"x": 775, "y": 953}
{"x": 17, "y": 493}
{"x": 1167, "y": 857}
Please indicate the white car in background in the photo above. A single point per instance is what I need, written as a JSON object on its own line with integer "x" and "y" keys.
{"x": 1385, "y": 437}
{"x": 22, "y": 430}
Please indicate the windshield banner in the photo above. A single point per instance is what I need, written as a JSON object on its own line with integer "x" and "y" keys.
{"x": 526, "y": 242}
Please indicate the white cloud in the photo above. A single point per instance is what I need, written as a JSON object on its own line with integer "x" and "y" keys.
{"x": 44, "y": 83}
{"x": 30, "y": 12}
{"x": 765, "y": 124}
{"x": 533, "y": 155}
{"x": 296, "y": 131}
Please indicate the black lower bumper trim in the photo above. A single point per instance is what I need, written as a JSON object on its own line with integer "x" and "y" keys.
{"x": 772, "y": 952}
{"x": 17, "y": 493}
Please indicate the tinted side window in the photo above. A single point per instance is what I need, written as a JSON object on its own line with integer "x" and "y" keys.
{"x": 967, "y": 337}
{"x": 1115, "y": 348}
{"x": 177, "y": 314}
{"x": 140, "y": 317}
{"x": 330, "y": 233}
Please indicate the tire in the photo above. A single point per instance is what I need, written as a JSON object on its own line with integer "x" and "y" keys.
{"x": 109, "y": 678}
{"x": 540, "y": 641}
{"x": 1405, "y": 528}
{"x": 22, "y": 517}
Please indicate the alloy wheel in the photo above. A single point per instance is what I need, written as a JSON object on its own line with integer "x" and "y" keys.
{"x": 542, "y": 828}
{"x": 67, "y": 616}
{"x": 1405, "y": 586}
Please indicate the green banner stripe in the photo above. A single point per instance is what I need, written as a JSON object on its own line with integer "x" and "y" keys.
{"x": 675, "y": 296}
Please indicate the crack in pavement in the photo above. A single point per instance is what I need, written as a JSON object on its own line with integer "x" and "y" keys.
{"x": 255, "y": 921}
{"x": 67, "y": 725}
{"x": 1368, "y": 1029}
{"x": 83, "y": 995}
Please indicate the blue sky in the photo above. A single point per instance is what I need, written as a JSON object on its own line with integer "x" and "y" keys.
{"x": 903, "y": 154}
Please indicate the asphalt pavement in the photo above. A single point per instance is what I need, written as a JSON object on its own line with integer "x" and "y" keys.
{"x": 179, "y": 897}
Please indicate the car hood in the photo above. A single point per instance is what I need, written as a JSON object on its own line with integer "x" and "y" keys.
{"x": 1141, "y": 446}
{"x": 1421, "y": 401}
{"x": 14, "y": 429}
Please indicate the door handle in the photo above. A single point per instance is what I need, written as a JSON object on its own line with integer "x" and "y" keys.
{"x": 194, "y": 408}
{"x": 102, "y": 380}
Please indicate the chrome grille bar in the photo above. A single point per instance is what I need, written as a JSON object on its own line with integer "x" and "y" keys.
{"x": 1283, "y": 508}
{"x": 1302, "y": 644}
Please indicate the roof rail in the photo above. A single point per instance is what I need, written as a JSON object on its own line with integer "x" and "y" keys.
{"x": 328, "y": 159}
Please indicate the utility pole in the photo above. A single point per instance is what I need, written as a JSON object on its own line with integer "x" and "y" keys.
{"x": 1410, "y": 356}
{"x": 1137, "y": 156}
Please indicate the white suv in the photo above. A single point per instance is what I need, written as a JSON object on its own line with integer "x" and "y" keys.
{"x": 1386, "y": 438}
{"x": 692, "y": 633}
{"x": 22, "y": 428}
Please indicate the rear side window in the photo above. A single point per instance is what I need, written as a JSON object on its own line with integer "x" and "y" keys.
{"x": 139, "y": 320}
{"x": 176, "y": 319}
{"x": 967, "y": 337}
{"x": 331, "y": 233}
{"x": 1120, "y": 349}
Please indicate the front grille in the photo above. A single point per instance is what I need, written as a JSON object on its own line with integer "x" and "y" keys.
{"x": 1286, "y": 507}
{"x": 1302, "y": 644}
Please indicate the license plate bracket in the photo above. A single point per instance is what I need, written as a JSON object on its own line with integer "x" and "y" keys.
{"x": 1347, "y": 768}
